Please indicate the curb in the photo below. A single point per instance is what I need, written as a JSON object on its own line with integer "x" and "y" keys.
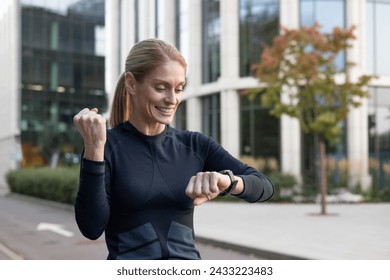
{"x": 263, "y": 254}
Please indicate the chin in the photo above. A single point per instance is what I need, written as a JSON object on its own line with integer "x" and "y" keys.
{"x": 165, "y": 121}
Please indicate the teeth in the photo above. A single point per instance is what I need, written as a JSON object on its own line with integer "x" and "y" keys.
{"x": 164, "y": 110}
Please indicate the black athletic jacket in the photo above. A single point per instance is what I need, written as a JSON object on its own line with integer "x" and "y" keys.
{"x": 137, "y": 195}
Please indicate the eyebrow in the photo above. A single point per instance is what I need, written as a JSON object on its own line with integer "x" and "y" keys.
{"x": 183, "y": 83}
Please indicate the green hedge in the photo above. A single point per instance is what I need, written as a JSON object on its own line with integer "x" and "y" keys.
{"x": 61, "y": 184}
{"x": 58, "y": 184}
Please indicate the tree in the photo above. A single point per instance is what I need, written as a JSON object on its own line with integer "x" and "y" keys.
{"x": 303, "y": 80}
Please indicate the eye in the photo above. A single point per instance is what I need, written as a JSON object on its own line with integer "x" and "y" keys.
{"x": 180, "y": 88}
{"x": 160, "y": 88}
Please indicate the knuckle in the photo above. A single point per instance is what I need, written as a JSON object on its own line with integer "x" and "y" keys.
{"x": 198, "y": 191}
{"x": 95, "y": 120}
{"x": 103, "y": 120}
{"x": 84, "y": 117}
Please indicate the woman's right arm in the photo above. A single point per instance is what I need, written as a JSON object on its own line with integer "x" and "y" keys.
{"x": 92, "y": 207}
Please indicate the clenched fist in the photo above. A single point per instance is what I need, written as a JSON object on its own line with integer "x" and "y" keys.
{"x": 92, "y": 127}
{"x": 205, "y": 186}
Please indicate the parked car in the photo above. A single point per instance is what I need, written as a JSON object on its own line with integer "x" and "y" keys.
{"x": 341, "y": 195}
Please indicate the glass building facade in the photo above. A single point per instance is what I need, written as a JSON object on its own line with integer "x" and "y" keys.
{"x": 221, "y": 40}
{"x": 62, "y": 59}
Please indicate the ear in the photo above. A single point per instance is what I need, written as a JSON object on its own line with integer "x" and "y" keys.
{"x": 130, "y": 82}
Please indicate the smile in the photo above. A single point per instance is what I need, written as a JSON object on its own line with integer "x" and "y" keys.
{"x": 164, "y": 110}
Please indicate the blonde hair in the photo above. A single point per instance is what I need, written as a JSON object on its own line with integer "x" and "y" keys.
{"x": 143, "y": 57}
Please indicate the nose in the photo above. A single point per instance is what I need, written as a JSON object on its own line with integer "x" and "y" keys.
{"x": 170, "y": 97}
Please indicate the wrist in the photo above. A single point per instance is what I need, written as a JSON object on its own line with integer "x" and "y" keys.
{"x": 95, "y": 154}
{"x": 239, "y": 187}
{"x": 232, "y": 183}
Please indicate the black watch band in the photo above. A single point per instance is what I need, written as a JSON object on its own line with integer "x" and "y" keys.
{"x": 233, "y": 183}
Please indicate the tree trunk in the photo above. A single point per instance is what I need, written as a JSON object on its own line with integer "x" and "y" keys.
{"x": 323, "y": 178}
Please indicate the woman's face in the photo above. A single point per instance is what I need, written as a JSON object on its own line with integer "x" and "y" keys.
{"x": 156, "y": 97}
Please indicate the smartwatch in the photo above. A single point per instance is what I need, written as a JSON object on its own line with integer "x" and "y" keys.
{"x": 233, "y": 183}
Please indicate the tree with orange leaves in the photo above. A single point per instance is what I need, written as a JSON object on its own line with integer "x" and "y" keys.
{"x": 303, "y": 80}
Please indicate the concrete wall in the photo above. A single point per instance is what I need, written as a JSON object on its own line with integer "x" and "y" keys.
{"x": 10, "y": 153}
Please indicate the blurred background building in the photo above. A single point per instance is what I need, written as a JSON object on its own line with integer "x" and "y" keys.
{"x": 60, "y": 56}
{"x": 52, "y": 66}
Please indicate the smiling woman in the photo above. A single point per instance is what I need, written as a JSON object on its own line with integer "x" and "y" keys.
{"x": 140, "y": 180}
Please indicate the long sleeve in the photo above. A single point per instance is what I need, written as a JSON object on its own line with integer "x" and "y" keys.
{"x": 257, "y": 187}
{"x": 92, "y": 207}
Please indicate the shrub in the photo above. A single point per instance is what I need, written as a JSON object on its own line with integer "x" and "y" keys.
{"x": 284, "y": 183}
{"x": 58, "y": 184}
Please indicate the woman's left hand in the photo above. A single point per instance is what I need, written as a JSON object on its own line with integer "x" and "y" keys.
{"x": 205, "y": 186}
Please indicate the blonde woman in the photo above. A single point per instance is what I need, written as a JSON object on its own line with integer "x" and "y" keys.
{"x": 140, "y": 179}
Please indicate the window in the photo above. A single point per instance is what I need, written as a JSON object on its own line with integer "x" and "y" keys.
{"x": 53, "y": 76}
{"x": 178, "y": 23}
{"x": 211, "y": 117}
{"x": 259, "y": 23}
{"x": 260, "y": 132}
{"x": 182, "y": 33}
{"x": 378, "y": 41}
{"x": 329, "y": 14}
{"x": 54, "y": 36}
{"x": 379, "y": 136}
{"x": 159, "y": 18}
{"x": 181, "y": 116}
{"x": 211, "y": 68}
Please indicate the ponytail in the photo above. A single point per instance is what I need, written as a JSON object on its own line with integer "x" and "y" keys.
{"x": 121, "y": 104}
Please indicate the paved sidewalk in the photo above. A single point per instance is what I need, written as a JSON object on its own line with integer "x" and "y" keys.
{"x": 297, "y": 231}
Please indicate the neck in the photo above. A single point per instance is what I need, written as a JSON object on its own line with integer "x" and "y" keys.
{"x": 149, "y": 130}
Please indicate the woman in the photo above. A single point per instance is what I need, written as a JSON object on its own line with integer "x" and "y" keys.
{"x": 140, "y": 180}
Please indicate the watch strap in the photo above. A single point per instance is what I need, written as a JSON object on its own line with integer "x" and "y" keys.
{"x": 233, "y": 183}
